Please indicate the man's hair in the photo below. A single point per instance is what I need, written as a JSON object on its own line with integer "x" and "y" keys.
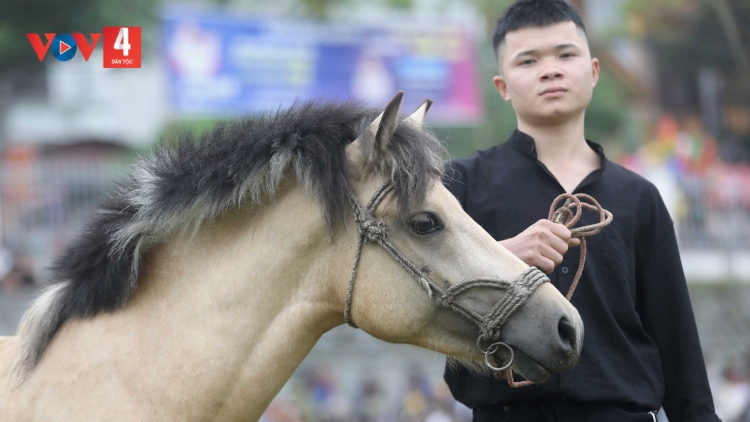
{"x": 534, "y": 14}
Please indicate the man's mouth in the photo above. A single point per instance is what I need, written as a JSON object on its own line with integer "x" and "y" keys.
{"x": 553, "y": 92}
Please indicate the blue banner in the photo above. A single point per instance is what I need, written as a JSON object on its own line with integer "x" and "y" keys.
{"x": 224, "y": 66}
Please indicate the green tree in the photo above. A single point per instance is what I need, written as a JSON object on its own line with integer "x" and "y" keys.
{"x": 693, "y": 36}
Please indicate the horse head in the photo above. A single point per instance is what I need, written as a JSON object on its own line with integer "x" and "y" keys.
{"x": 440, "y": 281}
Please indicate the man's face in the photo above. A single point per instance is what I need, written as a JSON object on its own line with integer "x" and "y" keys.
{"x": 547, "y": 73}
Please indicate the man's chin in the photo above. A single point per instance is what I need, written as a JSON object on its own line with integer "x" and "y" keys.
{"x": 552, "y": 116}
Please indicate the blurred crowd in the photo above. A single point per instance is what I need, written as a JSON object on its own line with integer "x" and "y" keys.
{"x": 706, "y": 191}
{"x": 730, "y": 385}
{"x": 318, "y": 396}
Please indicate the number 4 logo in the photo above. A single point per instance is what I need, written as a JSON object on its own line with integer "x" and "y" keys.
{"x": 122, "y": 46}
{"x": 122, "y": 41}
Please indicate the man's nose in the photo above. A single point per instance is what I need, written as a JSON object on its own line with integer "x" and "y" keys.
{"x": 551, "y": 73}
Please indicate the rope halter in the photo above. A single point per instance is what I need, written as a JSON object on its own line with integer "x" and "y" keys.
{"x": 372, "y": 230}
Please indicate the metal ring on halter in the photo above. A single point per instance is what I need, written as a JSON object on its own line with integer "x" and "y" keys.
{"x": 493, "y": 347}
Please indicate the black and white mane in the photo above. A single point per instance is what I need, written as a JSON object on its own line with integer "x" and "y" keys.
{"x": 191, "y": 180}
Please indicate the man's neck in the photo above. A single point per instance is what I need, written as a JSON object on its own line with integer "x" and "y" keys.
{"x": 560, "y": 144}
{"x": 563, "y": 150}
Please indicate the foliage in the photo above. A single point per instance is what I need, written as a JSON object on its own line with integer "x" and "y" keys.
{"x": 688, "y": 34}
{"x": 499, "y": 119}
{"x": 608, "y": 111}
{"x": 320, "y": 8}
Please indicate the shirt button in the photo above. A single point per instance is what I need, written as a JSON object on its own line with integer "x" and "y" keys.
{"x": 564, "y": 270}
{"x": 506, "y": 408}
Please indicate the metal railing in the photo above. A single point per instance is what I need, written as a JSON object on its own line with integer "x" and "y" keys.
{"x": 44, "y": 204}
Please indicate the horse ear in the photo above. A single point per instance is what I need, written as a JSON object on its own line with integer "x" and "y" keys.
{"x": 417, "y": 118}
{"x": 388, "y": 122}
{"x": 375, "y": 139}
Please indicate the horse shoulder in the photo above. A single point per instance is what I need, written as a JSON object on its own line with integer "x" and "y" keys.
{"x": 8, "y": 352}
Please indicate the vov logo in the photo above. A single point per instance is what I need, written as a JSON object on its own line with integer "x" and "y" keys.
{"x": 64, "y": 46}
{"x": 122, "y": 46}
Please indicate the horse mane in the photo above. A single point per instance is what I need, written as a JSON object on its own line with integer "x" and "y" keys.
{"x": 190, "y": 180}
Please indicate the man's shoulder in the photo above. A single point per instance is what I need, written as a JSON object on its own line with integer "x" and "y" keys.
{"x": 473, "y": 161}
{"x": 458, "y": 173}
{"x": 643, "y": 194}
{"x": 632, "y": 181}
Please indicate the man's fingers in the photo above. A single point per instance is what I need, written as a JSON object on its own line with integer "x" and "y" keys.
{"x": 560, "y": 231}
{"x": 551, "y": 254}
{"x": 564, "y": 234}
{"x": 557, "y": 244}
{"x": 545, "y": 265}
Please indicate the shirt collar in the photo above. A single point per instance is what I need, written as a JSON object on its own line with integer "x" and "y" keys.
{"x": 526, "y": 145}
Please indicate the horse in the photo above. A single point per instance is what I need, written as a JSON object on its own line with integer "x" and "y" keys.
{"x": 202, "y": 282}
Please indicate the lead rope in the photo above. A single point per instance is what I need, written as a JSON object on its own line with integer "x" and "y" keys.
{"x": 565, "y": 215}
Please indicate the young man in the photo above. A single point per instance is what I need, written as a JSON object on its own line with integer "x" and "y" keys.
{"x": 641, "y": 349}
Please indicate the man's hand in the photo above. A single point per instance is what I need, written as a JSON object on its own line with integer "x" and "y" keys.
{"x": 542, "y": 245}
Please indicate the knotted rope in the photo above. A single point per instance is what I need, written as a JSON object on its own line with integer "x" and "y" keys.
{"x": 568, "y": 215}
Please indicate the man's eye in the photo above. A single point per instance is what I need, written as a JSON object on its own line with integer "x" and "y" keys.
{"x": 527, "y": 62}
{"x": 566, "y": 55}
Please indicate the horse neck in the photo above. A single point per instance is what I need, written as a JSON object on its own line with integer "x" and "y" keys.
{"x": 240, "y": 304}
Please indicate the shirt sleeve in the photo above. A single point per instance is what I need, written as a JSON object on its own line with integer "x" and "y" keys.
{"x": 456, "y": 180}
{"x": 667, "y": 316}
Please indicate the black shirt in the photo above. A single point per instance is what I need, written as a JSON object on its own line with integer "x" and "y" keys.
{"x": 641, "y": 348}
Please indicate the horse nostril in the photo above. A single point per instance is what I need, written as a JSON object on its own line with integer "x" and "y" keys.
{"x": 568, "y": 333}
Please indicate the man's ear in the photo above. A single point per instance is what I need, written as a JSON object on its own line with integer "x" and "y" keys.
{"x": 595, "y": 70}
{"x": 371, "y": 144}
{"x": 501, "y": 87}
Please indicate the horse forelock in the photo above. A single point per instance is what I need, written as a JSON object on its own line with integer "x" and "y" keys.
{"x": 190, "y": 180}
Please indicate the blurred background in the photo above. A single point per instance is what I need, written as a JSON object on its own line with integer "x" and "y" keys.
{"x": 673, "y": 104}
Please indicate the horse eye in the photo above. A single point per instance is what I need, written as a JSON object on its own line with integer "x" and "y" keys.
{"x": 425, "y": 223}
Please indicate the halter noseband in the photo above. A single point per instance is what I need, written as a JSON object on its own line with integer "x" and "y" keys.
{"x": 373, "y": 230}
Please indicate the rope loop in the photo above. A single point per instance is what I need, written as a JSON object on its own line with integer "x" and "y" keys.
{"x": 571, "y": 212}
